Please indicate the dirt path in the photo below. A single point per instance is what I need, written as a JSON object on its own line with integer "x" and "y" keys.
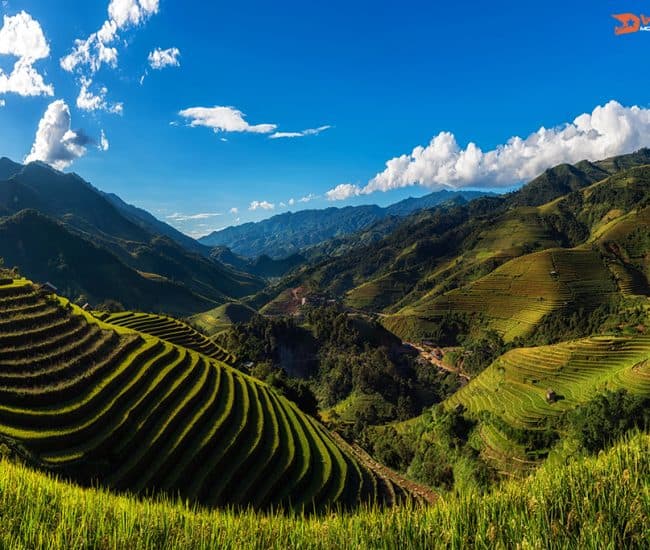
{"x": 421, "y": 492}
{"x": 430, "y": 357}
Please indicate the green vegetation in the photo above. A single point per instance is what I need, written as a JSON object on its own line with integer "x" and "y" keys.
{"x": 607, "y": 417}
{"x": 573, "y": 239}
{"x": 596, "y": 502}
{"x": 285, "y": 234}
{"x": 104, "y": 403}
{"x": 359, "y": 372}
{"x": 171, "y": 330}
{"x": 523, "y": 397}
{"x": 221, "y": 318}
{"x": 515, "y": 297}
{"x": 100, "y": 248}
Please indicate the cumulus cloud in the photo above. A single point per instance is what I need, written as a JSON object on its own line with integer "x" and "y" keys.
{"x": 21, "y": 36}
{"x": 159, "y": 59}
{"x": 308, "y": 198}
{"x": 93, "y": 51}
{"x": 99, "y": 49}
{"x": 343, "y": 191}
{"x": 177, "y": 217}
{"x": 131, "y": 12}
{"x": 55, "y": 142}
{"x": 223, "y": 119}
{"x": 610, "y": 129}
{"x": 103, "y": 142}
{"x": 261, "y": 205}
{"x": 2, "y": 103}
{"x": 234, "y": 211}
{"x": 291, "y": 201}
{"x": 303, "y": 133}
{"x": 88, "y": 101}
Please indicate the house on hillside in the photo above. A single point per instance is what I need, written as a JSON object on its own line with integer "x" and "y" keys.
{"x": 48, "y": 288}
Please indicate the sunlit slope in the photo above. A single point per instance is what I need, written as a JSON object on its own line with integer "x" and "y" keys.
{"x": 610, "y": 216}
{"x": 171, "y": 330}
{"x": 515, "y": 386}
{"x": 514, "y": 391}
{"x": 221, "y": 318}
{"x": 516, "y": 296}
{"x": 421, "y": 265}
{"x": 109, "y": 405}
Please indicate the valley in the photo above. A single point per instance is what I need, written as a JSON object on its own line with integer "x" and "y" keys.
{"x": 462, "y": 350}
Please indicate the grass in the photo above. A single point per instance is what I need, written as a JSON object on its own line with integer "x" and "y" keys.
{"x": 591, "y": 503}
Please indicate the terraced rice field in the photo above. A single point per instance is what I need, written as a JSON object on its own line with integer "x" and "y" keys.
{"x": 516, "y": 296}
{"x": 514, "y": 387}
{"x": 101, "y": 403}
{"x": 169, "y": 329}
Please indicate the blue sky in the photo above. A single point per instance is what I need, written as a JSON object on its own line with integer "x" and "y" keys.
{"x": 384, "y": 77}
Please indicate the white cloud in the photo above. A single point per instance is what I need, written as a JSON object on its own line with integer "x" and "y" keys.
{"x": 97, "y": 49}
{"x": 308, "y": 198}
{"x": 21, "y": 36}
{"x": 263, "y": 205}
{"x": 55, "y": 142}
{"x": 88, "y": 101}
{"x": 103, "y": 142}
{"x": 159, "y": 59}
{"x": 234, "y": 211}
{"x": 131, "y": 12}
{"x": 610, "y": 129}
{"x": 291, "y": 202}
{"x": 2, "y": 103}
{"x": 343, "y": 191}
{"x": 177, "y": 217}
{"x": 94, "y": 51}
{"x": 223, "y": 119}
{"x": 303, "y": 133}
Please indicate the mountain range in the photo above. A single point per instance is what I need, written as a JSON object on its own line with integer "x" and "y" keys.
{"x": 419, "y": 271}
{"x": 292, "y": 232}
{"x": 49, "y": 217}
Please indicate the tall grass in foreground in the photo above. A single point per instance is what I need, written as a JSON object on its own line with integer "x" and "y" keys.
{"x": 599, "y": 502}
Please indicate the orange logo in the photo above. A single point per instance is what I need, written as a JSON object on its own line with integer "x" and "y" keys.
{"x": 631, "y": 23}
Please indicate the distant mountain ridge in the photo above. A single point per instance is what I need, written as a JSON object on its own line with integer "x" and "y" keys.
{"x": 130, "y": 239}
{"x": 429, "y": 261}
{"x": 152, "y": 224}
{"x": 291, "y": 232}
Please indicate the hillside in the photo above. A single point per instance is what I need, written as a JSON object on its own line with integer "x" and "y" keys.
{"x": 262, "y": 266}
{"x": 88, "y": 214}
{"x": 434, "y": 260}
{"x": 151, "y": 224}
{"x": 609, "y": 219}
{"x": 169, "y": 329}
{"x": 291, "y": 232}
{"x": 512, "y": 394}
{"x": 102, "y": 404}
{"x": 220, "y": 318}
{"x": 84, "y": 271}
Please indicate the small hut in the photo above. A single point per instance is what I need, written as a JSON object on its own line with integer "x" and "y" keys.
{"x": 551, "y": 396}
{"x": 48, "y": 288}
